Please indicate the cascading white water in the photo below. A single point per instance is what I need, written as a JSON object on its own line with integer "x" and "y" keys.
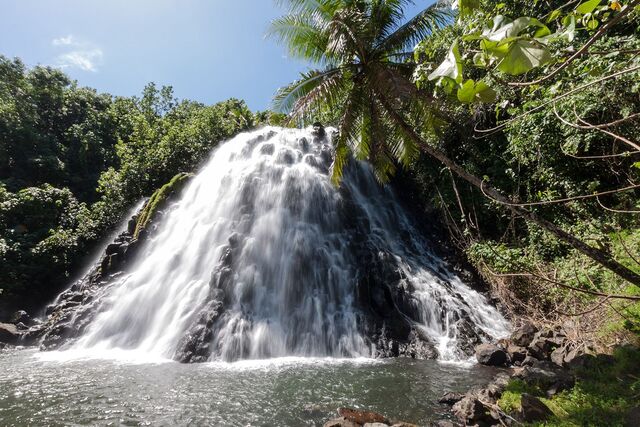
{"x": 261, "y": 231}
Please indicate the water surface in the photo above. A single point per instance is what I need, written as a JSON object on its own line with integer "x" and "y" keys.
{"x": 51, "y": 389}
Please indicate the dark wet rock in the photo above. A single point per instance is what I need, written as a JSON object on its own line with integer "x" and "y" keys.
{"x": 470, "y": 411}
{"x": 318, "y": 130}
{"x": 533, "y": 409}
{"x": 544, "y": 343}
{"x": 450, "y": 398}
{"x": 267, "y": 149}
{"x": 9, "y": 334}
{"x": 442, "y": 423}
{"x": 195, "y": 344}
{"x": 633, "y": 417}
{"x": 362, "y": 417}
{"x": 547, "y": 376}
{"x": 21, "y": 316}
{"x": 523, "y": 335}
{"x": 112, "y": 248}
{"x": 528, "y": 361}
{"x": 340, "y": 422}
{"x": 491, "y": 355}
{"x": 303, "y": 143}
{"x": 517, "y": 354}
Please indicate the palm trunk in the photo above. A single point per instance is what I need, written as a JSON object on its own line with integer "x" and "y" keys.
{"x": 603, "y": 258}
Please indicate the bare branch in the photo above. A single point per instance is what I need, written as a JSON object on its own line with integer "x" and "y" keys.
{"x": 615, "y": 210}
{"x": 567, "y": 199}
{"x": 627, "y": 250}
{"x": 559, "y": 97}
{"x": 564, "y": 285}
{"x": 589, "y": 310}
{"x": 613, "y": 135}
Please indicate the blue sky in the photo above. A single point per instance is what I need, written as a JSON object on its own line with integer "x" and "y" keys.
{"x": 208, "y": 50}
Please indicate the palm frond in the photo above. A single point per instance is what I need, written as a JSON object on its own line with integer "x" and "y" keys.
{"x": 385, "y": 14}
{"x": 416, "y": 29}
{"x": 343, "y": 32}
{"x": 347, "y": 131}
{"x": 303, "y": 35}
{"x": 327, "y": 93}
{"x": 286, "y": 97}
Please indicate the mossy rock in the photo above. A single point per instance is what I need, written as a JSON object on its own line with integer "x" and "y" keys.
{"x": 159, "y": 200}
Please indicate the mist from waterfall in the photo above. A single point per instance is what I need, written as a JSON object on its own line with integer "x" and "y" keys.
{"x": 259, "y": 238}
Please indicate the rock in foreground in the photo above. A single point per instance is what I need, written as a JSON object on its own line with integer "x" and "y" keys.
{"x": 349, "y": 417}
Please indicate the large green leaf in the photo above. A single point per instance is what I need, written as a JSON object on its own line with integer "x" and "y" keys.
{"x": 451, "y": 67}
{"x": 503, "y": 28}
{"x": 468, "y": 6}
{"x": 523, "y": 56}
{"x": 471, "y": 91}
{"x": 587, "y": 7}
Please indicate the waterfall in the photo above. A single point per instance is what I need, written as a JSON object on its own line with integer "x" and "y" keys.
{"x": 263, "y": 257}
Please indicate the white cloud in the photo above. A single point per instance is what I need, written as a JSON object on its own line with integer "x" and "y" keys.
{"x": 80, "y": 54}
{"x": 86, "y": 60}
{"x": 64, "y": 41}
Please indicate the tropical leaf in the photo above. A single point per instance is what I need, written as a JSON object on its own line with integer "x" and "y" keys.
{"x": 523, "y": 56}
{"x": 451, "y": 67}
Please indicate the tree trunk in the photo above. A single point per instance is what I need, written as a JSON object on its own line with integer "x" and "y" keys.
{"x": 601, "y": 257}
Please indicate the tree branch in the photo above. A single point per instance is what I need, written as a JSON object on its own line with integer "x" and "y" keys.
{"x": 585, "y": 47}
{"x": 565, "y": 200}
{"x": 557, "y": 98}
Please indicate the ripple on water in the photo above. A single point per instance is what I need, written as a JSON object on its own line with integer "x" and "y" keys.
{"x": 38, "y": 389}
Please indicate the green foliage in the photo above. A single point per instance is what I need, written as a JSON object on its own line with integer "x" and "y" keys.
{"x": 495, "y": 42}
{"x": 603, "y": 394}
{"x": 42, "y": 229}
{"x": 541, "y": 147}
{"x": 73, "y": 161}
{"x": 361, "y": 48}
{"x": 158, "y": 200}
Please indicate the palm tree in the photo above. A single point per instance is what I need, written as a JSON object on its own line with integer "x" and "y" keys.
{"x": 364, "y": 55}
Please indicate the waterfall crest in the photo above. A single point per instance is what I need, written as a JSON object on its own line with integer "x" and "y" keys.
{"x": 263, "y": 257}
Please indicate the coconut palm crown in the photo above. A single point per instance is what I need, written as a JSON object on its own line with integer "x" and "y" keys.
{"x": 363, "y": 51}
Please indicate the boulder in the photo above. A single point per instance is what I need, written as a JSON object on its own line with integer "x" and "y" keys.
{"x": 21, "y": 316}
{"x": 523, "y": 335}
{"x": 441, "y": 423}
{"x": 633, "y": 417}
{"x": 469, "y": 410}
{"x": 112, "y": 248}
{"x": 544, "y": 343}
{"x": 547, "y": 376}
{"x": 559, "y": 355}
{"x": 362, "y": 417}
{"x": 340, "y": 422}
{"x": 491, "y": 355}
{"x": 450, "y": 398}
{"x": 528, "y": 361}
{"x": 516, "y": 353}
{"x": 318, "y": 130}
{"x": 403, "y": 424}
{"x": 9, "y": 333}
{"x": 532, "y": 409}
{"x": 375, "y": 425}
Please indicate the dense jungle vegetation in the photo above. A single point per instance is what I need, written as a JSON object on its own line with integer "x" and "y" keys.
{"x": 73, "y": 162}
{"x": 515, "y": 122}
